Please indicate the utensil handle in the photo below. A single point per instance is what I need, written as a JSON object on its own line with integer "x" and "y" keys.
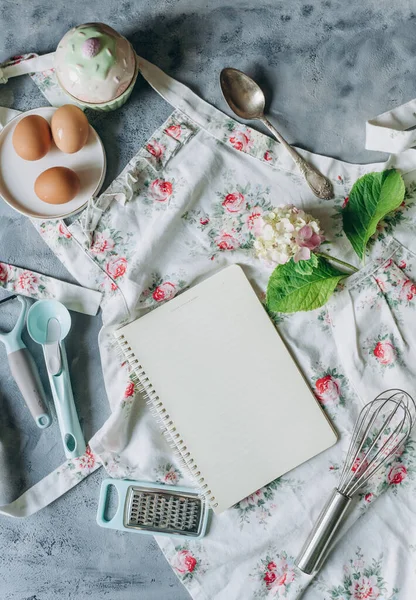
{"x": 116, "y": 522}
{"x": 322, "y": 534}
{"x": 318, "y": 183}
{"x": 71, "y": 432}
{"x": 25, "y": 373}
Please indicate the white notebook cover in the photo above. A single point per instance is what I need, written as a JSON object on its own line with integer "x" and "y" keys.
{"x": 230, "y": 386}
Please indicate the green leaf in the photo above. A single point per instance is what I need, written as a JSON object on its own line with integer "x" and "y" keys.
{"x": 372, "y": 197}
{"x": 307, "y": 266}
{"x": 291, "y": 291}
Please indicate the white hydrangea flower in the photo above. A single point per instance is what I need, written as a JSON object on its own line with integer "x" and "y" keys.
{"x": 287, "y": 232}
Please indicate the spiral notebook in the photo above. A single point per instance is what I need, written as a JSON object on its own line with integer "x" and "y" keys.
{"x": 219, "y": 377}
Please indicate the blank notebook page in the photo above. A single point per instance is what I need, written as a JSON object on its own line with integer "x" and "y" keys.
{"x": 230, "y": 386}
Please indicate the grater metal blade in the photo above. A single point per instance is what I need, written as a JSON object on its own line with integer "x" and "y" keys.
{"x": 154, "y": 509}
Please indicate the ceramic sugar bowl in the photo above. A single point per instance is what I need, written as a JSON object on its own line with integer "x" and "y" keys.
{"x": 96, "y": 66}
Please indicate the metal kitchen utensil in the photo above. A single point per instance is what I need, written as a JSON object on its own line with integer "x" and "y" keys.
{"x": 154, "y": 509}
{"x": 23, "y": 367}
{"x": 48, "y": 323}
{"x": 382, "y": 429}
{"x": 247, "y": 100}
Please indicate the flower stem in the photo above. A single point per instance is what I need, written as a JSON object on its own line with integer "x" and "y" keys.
{"x": 337, "y": 260}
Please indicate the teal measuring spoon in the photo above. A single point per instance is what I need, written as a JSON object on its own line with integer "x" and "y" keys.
{"x": 48, "y": 324}
{"x": 23, "y": 367}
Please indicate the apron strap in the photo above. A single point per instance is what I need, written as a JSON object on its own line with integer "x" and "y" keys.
{"x": 38, "y": 286}
{"x": 52, "y": 486}
{"x": 388, "y": 132}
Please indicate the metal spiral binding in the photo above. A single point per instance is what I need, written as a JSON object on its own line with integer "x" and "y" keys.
{"x": 166, "y": 424}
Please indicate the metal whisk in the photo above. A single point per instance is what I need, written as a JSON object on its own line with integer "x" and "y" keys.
{"x": 382, "y": 429}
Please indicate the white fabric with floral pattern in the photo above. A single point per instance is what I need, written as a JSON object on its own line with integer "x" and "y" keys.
{"x": 185, "y": 206}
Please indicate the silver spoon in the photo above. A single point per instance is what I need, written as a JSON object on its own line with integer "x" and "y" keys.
{"x": 246, "y": 99}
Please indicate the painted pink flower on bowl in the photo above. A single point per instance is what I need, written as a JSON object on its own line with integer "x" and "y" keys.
{"x": 368, "y": 497}
{"x": 155, "y": 148}
{"x": 63, "y": 231}
{"x": 346, "y": 200}
{"x": 184, "y": 562}
{"x": 408, "y": 290}
{"x": 4, "y": 272}
{"x": 129, "y": 391}
{"x": 116, "y": 267}
{"x": 384, "y": 352}
{"x": 268, "y": 156}
{"x": 234, "y": 203}
{"x": 365, "y": 588}
{"x": 164, "y": 291}
{"x": 240, "y": 140}
{"x": 226, "y": 241}
{"x": 161, "y": 190}
{"x": 27, "y": 282}
{"x": 204, "y": 221}
{"x": 103, "y": 242}
{"x": 402, "y": 264}
{"x": 327, "y": 390}
{"x": 174, "y": 131}
{"x": 397, "y": 474}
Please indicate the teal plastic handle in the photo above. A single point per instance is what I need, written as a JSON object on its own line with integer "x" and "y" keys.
{"x": 71, "y": 432}
{"x": 117, "y": 521}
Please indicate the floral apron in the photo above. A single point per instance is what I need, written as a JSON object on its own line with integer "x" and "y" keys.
{"x": 185, "y": 206}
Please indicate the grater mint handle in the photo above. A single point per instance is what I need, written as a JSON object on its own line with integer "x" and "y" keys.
{"x": 117, "y": 521}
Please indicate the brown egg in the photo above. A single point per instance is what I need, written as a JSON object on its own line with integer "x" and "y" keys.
{"x": 57, "y": 185}
{"x": 32, "y": 137}
{"x": 70, "y": 128}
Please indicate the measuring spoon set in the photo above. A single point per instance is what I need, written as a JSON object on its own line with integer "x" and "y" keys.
{"x": 48, "y": 323}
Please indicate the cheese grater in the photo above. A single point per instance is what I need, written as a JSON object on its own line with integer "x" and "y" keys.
{"x": 154, "y": 509}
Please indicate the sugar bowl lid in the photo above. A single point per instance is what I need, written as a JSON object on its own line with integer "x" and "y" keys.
{"x": 94, "y": 63}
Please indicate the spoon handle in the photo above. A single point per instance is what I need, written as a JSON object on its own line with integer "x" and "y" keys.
{"x": 320, "y": 185}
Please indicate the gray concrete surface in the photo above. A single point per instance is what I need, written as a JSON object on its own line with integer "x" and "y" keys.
{"x": 326, "y": 66}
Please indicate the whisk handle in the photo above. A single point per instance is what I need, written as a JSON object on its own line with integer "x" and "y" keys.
{"x": 325, "y": 528}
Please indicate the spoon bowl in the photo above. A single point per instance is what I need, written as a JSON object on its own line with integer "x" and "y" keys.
{"x": 243, "y": 94}
{"x": 39, "y": 316}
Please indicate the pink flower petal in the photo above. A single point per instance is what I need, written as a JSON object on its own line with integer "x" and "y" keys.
{"x": 302, "y": 254}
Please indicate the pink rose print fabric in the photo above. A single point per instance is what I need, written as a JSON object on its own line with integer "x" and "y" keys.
{"x": 116, "y": 267}
{"x": 397, "y": 473}
{"x": 363, "y": 580}
{"x": 162, "y": 288}
{"x": 186, "y": 562}
{"x": 241, "y": 140}
{"x": 155, "y": 148}
{"x": 277, "y": 575}
{"x": 235, "y": 219}
{"x": 234, "y": 203}
{"x": 164, "y": 291}
{"x": 160, "y": 190}
{"x": 174, "y": 131}
{"x": 4, "y": 273}
{"x": 331, "y": 388}
{"x": 168, "y": 473}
